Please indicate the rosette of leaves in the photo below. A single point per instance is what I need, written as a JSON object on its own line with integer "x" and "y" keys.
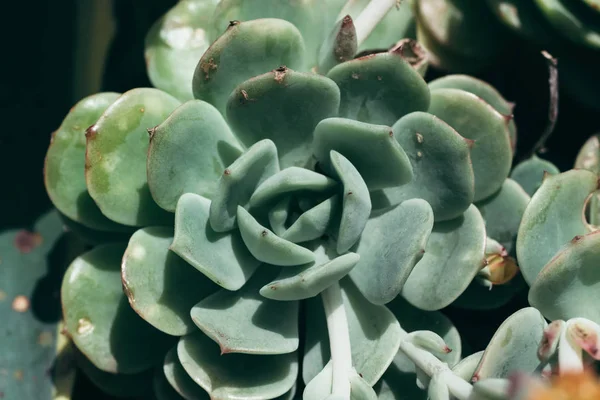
{"x": 279, "y": 215}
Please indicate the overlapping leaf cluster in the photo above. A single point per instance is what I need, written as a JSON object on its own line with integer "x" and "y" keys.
{"x": 266, "y": 169}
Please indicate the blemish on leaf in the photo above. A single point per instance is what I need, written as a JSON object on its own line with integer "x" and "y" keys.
{"x": 91, "y": 132}
{"x": 20, "y": 304}
{"x": 84, "y": 326}
{"x": 280, "y": 73}
{"x": 379, "y": 78}
{"x": 264, "y": 233}
{"x": 151, "y": 132}
{"x": 208, "y": 66}
{"x": 233, "y": 23}
{"x": 19, "y": 375}
{"x": 419, "y": 154}
{"x": 355, "y": 75}
{"x": 419, "y": 137}
{"x": 576, "y": 239}
{"x": 26, "y": 241}
{"x": 227, "y": 172}
{"x": 349, "y": 193}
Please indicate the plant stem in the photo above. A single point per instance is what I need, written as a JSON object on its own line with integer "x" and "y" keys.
{"x": 432, "y": 366}
{"x": 552, "y": 103}
{"x": 370, "y": 17}
{"x": 339, "y": 340}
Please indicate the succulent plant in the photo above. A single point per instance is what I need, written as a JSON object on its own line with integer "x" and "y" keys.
{"x": 282, "y": 216}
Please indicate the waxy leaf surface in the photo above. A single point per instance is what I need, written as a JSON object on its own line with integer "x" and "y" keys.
{"x": 235, "y": 376}
{"x": 116, "y": 153}
{"x": 99, "y": 319}
{"x": 188, "y": 153}
{"x": 160, "y": 285}
{"x": 221, "y": 257}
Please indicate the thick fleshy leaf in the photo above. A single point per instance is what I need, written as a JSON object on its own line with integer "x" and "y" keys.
{"x": 360, "y": 389}
{"x": 289, "y": 180}
{"x": 222, "y": 257}
{"x": 188, "y": 153}
{"x": 246, "y": 322}
{"x": 466, "y": 367}
{"x": 398, "y": 23}
{"x": 239, "y": 181}
{"x": 266, "y": 246}
{"x": 589, "y": 158}
{"x": 530, "y": 173}
{"x": 99, "y": 319}
{"x": 309, "y": 280}
{"x": 117, "y": 385}
{"x": 278, "y": 215}
{"x": 162, "y": 389}
{"x": 160, "y": 285}
{"x": 379, "y": 88}
{"x": 267, "y": 105}
{"x": 244, "y": 50}
{"x": 398, "y": 382}
{"x": 552, "y": 218}
{"x": 503, "y": 212}
{"x": 236, "y": 376}
{"x": 174, "y": 45}
{"x": 370, "y": 148}
{"x": 567, "y": 287}
{"x": 339, "y": 46}
{"x": 392, "y": 243}
{"x": 356, "y": 202}
{"x": 441, "y": 165}
{"x": 315, "y": 222}
{"x": 483, "y": 90}
{"x": 64, "y": 167}
{"x": 454, "y": 253}
{"x": 578, "y": 23}
{"x": 374, "y": 336}
{"x": 476, "y": 120}
{"x": 116, "y": 151}
{"x": 513, "y": 347}
{"x": 311, "y": 17}
{"x": 180, "y": 380}
{"x": 491, "y": 389}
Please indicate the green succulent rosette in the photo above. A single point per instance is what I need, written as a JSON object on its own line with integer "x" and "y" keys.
{"x": 270, "y": 235}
